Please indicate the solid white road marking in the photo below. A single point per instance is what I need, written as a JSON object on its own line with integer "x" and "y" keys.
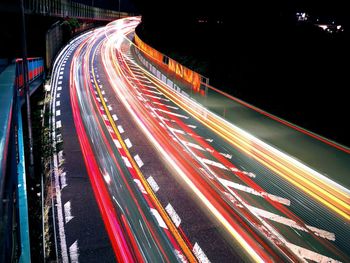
{"x": 159, "y": 218}
{"x": 138, "y": 160}
{"x": 153, "y": 184}
{"x": 173, "y": 215}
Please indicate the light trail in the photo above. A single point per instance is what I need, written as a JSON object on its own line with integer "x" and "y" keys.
{"x": 261, "y": 223}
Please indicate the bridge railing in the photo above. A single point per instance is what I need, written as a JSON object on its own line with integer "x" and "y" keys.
{"x": 64, "y": 8}
{"x": 14, "y": 230}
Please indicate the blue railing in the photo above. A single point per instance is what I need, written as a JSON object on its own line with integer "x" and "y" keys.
{"x": 14, "y": 227}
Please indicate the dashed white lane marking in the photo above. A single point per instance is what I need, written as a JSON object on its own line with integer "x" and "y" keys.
{"x": 310, "y": 255}
{"x": 114, "y": 116}
{"x": 153, "y": 91}
{"x": 192, "y": 126}
{"x": 149, "y": 86}
{"x": 58, "y": 124}
{"x": 172, "y": 113}
{"x": 63, "y": 180}
{"x": 107, "y": 178}
{"x": 176, "y": 130}
{"x": 117, "y": 143}
{"x": 128, "y": 143}
{"x": 127, "y": 162}
{"x": 160, "y": 117}
{"x": 58, "y": 103}
{"x": 250, "y": 190}
{"x": 159, "y": 218}
{"x": 105, "y": 99}
{"x": 193, "y": 145}
{"x": 61, "y": 73}
{"x": 173, "y": 215}
{"x": 58, "y": 95}
{"x": 74, "y": 252}
{"x": 60, "y": 77}
{"x": 98, "y": 99}
{"x": 228, "y": 156}
{"x": 67, "y": 212}
{"x": 153, "y": 184}
{"x": 59, "y": 88}
{"x": 138, "y": 160}
{"x": 209, "y": 140}
{"x": 180, "y": 256}
{"x": 155, "y": 97}
{"x": 103, "y": 92}
{"x": 59, "y": 83}
{"x": 105, "y": 117}
{"x": 199, "y": 253}
{"x": 109, "y": 107}
{"x": 140, "y": 186}
{"x": 120, "y": 128}
{"x": 58, "y": 112}
{"x": 212, "y": 163}
{"x": 166, "y": 105}
{"x": 291, "y": 223}
{"x": 60, "y": 157}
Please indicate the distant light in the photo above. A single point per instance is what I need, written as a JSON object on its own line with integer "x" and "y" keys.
{"x": 338, "y": 27}
{"x": 324, "y": 27}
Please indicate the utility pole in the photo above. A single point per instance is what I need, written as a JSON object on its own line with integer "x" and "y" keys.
{"x": 26, "y": 92}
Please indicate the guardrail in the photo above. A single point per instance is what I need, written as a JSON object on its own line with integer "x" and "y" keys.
{"x": 198, "y": 82}
{"x": 64, "y": 8}
{"x": 14, "y": 227}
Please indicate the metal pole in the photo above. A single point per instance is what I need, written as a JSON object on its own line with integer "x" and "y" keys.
{"x": 26, "y": 90}
{"x": 119, "y": 8}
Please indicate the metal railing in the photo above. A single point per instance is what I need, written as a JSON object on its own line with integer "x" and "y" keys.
{"x": 68, "y": 8}
{"x": 14, "y": 229}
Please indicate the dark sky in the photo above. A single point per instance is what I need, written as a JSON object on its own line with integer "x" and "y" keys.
{"x": 125, "y": 5}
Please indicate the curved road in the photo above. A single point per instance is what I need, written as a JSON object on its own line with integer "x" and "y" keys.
{"x": 172, "y": 180}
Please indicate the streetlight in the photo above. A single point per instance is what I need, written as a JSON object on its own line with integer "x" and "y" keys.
{"x": 119, "y": 8}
